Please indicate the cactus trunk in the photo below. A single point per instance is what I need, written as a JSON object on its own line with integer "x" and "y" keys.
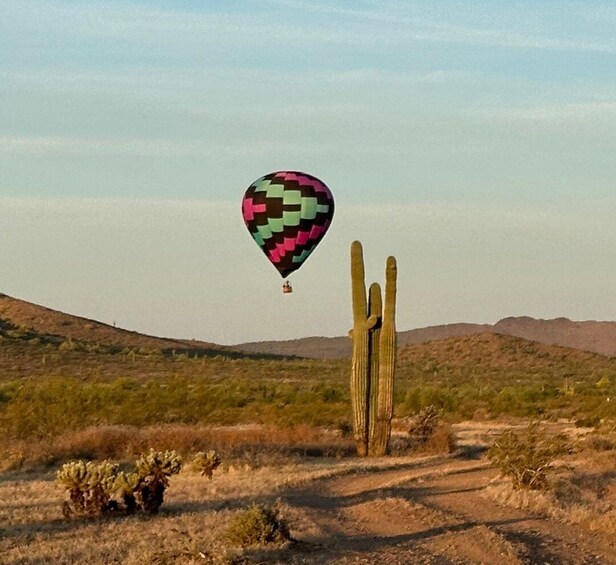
{"x": 374, "y": 355}
{"x": 379, "y": 440}
{"x": 360, "y": 361}
{"x": 375, "y": 307}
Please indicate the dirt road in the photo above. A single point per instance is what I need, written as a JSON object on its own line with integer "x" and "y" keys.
{"x": 431, "y": 512}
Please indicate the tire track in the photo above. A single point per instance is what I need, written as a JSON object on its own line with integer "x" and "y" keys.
{"x": 432, "y": 513}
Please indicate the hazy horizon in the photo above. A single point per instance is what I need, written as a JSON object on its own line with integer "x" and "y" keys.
{"x": 473, "y": 142}
{"x": 153, "y": 266}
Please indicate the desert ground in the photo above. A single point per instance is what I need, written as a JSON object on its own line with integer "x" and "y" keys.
{"x": 413, "y": 509}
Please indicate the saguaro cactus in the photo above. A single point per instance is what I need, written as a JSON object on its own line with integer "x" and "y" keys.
{"x": 374, "y": 357}
{"x": 360, "y": 370}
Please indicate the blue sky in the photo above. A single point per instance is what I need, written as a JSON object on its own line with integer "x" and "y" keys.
{"x": 459, "y": 112}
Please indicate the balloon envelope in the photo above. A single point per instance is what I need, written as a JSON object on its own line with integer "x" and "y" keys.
{"x": 287, "y": 213}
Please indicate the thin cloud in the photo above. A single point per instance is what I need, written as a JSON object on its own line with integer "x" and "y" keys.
{"x": 579, "y": 112}
{"x": 139, "y": 23}
{"x": 448, "y": 33}
{"x": 146, "y": 24}
{"x": 67, "y": 146}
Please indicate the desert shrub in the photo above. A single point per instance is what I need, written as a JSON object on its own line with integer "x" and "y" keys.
{"x": 597, "y": 442}
{"x": 423, "y": 396}
{"x": 95, "y": 442}
{"x": 55, "y": 405}
{"x": 529, "y": 400}
{"x": 424, "y": 424}
{"x": 442, "y": 440}
{"x": 426, "y": 433}
{"x": 330, "y": 394}
{"x": 605, "y": 382}
{"x": 90, "y": 486}
{"x": 257, "y": 525}
{"x": 587, "y": 421}
{"x": 344, "y": 428}
{"x": 68, "y": 345}
{"x": 206, "y": 463}
{"x": 527, "y": 457}
{"x": 255, "y": 445}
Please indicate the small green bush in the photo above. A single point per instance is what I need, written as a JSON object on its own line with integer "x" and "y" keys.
{"x": 527, "y": 457}
{"x": 257, "y": 525}
{"x": 424, "y": 396}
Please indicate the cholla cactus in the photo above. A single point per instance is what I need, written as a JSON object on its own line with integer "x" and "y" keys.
{"x": 90, "y": 486}
{"x": 153, "y": 471}
{"x": 159, "y": 464}
{"x": 126, "y": 485}
{"x": 206, "y": 463}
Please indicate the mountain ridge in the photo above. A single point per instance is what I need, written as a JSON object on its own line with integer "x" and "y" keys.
{"x": 55, "y": 325}
{"x": 589, "y": 335}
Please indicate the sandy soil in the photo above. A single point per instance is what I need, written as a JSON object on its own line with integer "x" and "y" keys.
{"x": 433, "y": 513}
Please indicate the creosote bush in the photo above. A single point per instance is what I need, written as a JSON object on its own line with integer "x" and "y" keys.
{"x": 527, "y": 457}
{"x": 442, "y": 440}
{"x": 206, "y": 463}
{"x": 427, "y": 434}
{"x": 257, "y": 525}
{"x": 92, "y": 485}
{"x": 424, "y": 424}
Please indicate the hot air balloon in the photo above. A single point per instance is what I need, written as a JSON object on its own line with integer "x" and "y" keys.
{"x": 287, "y": 213}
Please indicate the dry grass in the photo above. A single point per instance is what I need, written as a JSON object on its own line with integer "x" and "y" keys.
{"x": 190, "y": 527}
{"x": 254, "y": 445}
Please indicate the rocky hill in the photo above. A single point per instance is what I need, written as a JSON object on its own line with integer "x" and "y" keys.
{"x": 492, "y": 351}
{"x": 596, "y": 337}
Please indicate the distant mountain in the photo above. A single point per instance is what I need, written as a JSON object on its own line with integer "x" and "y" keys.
{"x": 597, "y": 337}
{"x": 53, "y": 326}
